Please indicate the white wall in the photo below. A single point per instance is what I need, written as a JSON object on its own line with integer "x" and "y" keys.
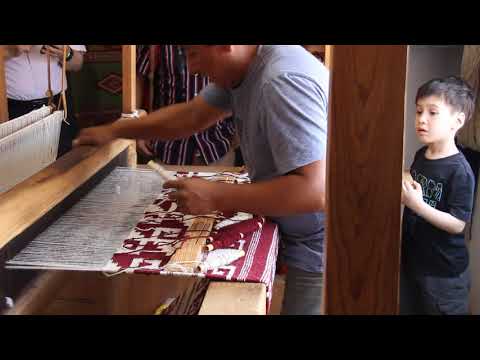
{"x": 425, "y": 63}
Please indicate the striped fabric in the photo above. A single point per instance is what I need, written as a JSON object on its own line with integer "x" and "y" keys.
{"x": 173, "y": 84}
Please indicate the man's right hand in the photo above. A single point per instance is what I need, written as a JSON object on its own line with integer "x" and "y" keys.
{"x": 95, "y": 136}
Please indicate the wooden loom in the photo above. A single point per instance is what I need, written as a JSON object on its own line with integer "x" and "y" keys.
{"x": 35, "y": 203}
{"x": 363, "y": 197}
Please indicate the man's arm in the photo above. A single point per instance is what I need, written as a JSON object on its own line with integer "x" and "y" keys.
{"x": 412, "y": 198}
{"x": 169, "y": 123}
{"x": 300, "y": 191}
{"x": 76, "y": 62}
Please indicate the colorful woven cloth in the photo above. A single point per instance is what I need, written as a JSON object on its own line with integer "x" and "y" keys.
{"x": 167, "y": 242}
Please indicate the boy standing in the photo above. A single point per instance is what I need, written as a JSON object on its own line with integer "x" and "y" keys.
{"x": 438, "y": 203}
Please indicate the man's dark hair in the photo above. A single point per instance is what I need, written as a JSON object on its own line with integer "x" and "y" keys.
{"x": 453, "y": 90}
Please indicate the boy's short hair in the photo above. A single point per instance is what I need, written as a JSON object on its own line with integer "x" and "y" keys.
{"x": 453, "y": 90}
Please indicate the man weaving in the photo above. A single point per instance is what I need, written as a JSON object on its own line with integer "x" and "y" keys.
{"x": 278, "y": 96}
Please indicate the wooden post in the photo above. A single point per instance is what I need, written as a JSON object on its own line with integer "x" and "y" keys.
{"x": 328, "y": 56}
{"x": 3, "y": 88}
{"x": 129, "y": 92}
{"x": 365, "y": 159}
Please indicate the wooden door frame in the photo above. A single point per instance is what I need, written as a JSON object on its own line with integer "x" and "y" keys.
{"x": 364, "y": 174}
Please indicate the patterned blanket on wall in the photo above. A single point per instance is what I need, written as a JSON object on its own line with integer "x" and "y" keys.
{"x": 220, "y": 246}
{"x": 97, "y": 88}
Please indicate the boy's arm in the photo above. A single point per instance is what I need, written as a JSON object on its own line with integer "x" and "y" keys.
{"x": 300, "y": 191}
{"x": 168, "y": 123}
{"x": 412, "y": 198}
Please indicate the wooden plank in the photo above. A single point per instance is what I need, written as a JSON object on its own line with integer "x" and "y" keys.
{"x": 365, "y": 156}
{"x": 120, "y": 295}
{"x": 138, "y": 294}
{"x": 129, "y": 92}
{"x": 27, "y": 202}
{"x": 278, "y": 292}
{"x": 328, "y": 56}
{"x": 39, "y": 294}
{"x": 3, "y": 88}
{"x": 85, "y": 293}
{"x": 232, "y": 298}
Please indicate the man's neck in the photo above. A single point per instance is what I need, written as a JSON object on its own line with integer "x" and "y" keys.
{"x": 242, "y": 66}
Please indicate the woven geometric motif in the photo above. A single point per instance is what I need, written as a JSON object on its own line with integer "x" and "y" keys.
{"x": 112, "y": 83}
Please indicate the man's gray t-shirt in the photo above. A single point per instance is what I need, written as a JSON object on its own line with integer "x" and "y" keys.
{"x": 280, "y": 112}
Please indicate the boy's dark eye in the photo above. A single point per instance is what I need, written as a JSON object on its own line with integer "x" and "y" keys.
{"x": 433, "y": 113}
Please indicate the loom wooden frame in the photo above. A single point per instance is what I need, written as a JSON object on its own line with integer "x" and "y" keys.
{"x": 52, "y": 185}
{"x": 362, "y": 267}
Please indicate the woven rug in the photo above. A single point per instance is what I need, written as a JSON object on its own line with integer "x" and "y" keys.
{"x": 171, "y": 243}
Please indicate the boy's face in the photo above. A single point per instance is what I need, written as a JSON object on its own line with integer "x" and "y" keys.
{"x": 436, "y": 121}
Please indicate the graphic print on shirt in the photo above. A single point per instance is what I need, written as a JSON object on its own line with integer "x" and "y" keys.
{"x": 431, "y": 190}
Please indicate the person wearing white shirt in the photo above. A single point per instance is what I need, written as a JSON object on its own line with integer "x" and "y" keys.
{"x": 28, "y": 86}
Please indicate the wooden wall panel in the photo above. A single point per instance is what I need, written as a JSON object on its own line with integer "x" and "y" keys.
{"x": 364, "y": 179}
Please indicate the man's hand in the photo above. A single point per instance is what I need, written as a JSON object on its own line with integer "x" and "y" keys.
{"x": 143, "y": 148}
{"x": 99, "y": 135}
{"x": 412, "y": 196}
{"x": 53, "y": 50}
{"x": 193, "y": 196}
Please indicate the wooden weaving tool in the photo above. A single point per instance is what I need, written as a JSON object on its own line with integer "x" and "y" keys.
{"x": 196, "y": 238}
{"x": 166, "y": 176}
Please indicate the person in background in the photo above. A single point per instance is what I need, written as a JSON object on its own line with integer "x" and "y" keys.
{"x": 29, "y": 86}
{"x": 164, "y": 79}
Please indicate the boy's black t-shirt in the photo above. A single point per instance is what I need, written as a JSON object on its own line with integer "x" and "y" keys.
{"x": 448, "y": 186}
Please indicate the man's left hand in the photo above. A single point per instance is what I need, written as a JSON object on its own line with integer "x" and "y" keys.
{"x": 193, "y": 196}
